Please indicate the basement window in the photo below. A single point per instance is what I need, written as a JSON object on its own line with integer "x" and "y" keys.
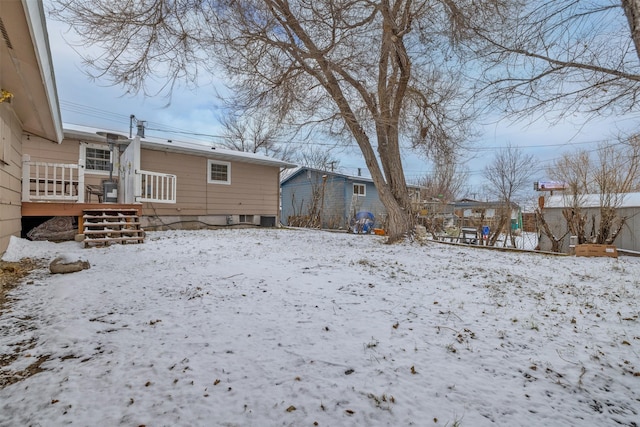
{"x": 246, "y": 218}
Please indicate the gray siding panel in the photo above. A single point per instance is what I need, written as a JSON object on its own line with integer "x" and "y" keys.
{"x": 629, "y": 237}
{"x": 339, "y": 202}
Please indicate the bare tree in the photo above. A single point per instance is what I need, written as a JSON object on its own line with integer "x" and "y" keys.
{"x": 612, "y": 171}
{"x": 508, "y": 175}
{"x": 560, "y": 57}
{"x": 573, "y": 170}
{"x": 256, "y": 133}
{"x": 379, "y": 72}
{"x": 446, "y": 180}
{"x": 317, "y": 158}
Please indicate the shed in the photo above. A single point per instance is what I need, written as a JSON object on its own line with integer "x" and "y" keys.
{"x": 627, "y": 206}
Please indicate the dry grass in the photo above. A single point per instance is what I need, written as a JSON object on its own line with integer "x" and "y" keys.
{"x": 13, "y": 274}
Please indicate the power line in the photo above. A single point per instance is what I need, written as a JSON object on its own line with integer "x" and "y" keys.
{"x": 123, "y": 120}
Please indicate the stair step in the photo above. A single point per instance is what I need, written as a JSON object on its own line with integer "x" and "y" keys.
{"x": 106, "y": 210}
{"x": 109, "y": 231}
{"x": 106, "y": 226}
{"x": 109, "y": 240}
{"x": 107, "y": 217}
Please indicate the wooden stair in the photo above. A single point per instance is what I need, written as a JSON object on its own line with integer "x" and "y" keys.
{"x": 102, "y": 227}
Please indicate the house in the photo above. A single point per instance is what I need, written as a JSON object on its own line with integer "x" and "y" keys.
{"x": 28, "y": 101}
{"x": 81, "y": 173}
{"x": 317, "y": 198}
{"x": 473, "y": 213}
{"x": 468, "y": 213}
{"x": 171, "y": 184}
{"x": 627, "y": 206}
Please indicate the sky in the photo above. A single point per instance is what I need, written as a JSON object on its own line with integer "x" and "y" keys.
{"x": 291, "y": 327}
{"x": 193, "y": 115}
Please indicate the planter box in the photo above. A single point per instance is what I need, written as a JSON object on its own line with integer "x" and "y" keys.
{"x": 596, "y": 250}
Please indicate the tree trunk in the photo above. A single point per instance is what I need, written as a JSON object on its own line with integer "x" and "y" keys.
{"x": 399, "y": 215}
{"x": 496, "y": 234}
{"x": 555, "y": 242}
{"x": 400, "y": 221}
{"x": 632, "y": 11}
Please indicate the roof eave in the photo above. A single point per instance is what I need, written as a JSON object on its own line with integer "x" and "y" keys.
{"x": 38, "y": 29}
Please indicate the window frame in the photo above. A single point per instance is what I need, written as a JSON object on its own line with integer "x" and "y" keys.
{"x": 210, "y": 163}
{"x": 364, "y": 189}
{"x": 115, "y": 154}
{"x": 245, "y": 219}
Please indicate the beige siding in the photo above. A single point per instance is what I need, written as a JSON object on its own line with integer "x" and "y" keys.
{"x": 191, "y": 179}
{"x": 10, "y": 176}
{"x": 41, "y": 150}
{"x": 253, "y": 189}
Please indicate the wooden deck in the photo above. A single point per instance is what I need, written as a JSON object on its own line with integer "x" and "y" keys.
{"x": 70, "y": 209}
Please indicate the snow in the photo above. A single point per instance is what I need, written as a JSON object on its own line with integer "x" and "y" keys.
{"x": 265, "y": 327}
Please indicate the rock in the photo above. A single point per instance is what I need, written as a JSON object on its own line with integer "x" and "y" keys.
{"x": 61, "y": 265}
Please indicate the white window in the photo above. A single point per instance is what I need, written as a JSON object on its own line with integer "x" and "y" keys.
{"x": 359, "y": 190}
{"x": 97, "y": 158}
{"x": 218, "y": 172}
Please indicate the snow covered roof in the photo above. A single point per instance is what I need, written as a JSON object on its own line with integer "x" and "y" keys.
{"x": 285, "y": 177}
{"x": 185, "y": 147}
{"x": 301, "y": 169}
{"x": 622, "y": 200}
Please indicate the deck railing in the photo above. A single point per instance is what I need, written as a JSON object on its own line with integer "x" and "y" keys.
{"x": 64, "y": 182}
{"x": 44, "y": 181}
{"x": 157, "y": 187}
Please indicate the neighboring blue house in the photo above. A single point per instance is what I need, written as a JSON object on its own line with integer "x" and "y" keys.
{"x": 316, "y": 198}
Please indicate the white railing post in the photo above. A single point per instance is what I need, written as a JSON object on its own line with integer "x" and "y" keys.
{"x": 81, "y": 191}
{"x": 51, "y": 182}
{"x": 156, "y": 187}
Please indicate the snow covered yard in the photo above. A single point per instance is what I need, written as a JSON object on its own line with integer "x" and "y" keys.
{"x": 266, "y": 327}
